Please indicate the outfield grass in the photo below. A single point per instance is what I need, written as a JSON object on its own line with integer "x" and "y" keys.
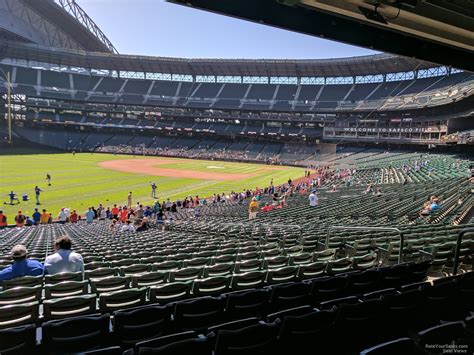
{"x": 78, "y": 181}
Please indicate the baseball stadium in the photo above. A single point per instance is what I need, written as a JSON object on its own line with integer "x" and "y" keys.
{"x": 186, "y": 205}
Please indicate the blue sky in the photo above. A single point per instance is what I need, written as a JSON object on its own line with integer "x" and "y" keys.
{"x": 154, "y": 27}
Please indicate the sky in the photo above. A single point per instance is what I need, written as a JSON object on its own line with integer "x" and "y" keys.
{"x": 154, "y": 27}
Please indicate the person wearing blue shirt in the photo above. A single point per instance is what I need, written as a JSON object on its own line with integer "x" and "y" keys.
{"x": 21, "y": 265}
{"x": 90, "y": 215}
{"x": 148, "y": 212}
{"x": 36, "y": 216}
{"x": 434, "y": 207}
{"x": 29, "y": 221}
{"x": 13, "y": 198}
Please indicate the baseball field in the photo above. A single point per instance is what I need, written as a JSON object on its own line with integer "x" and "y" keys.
{"x": 86, "y": 179}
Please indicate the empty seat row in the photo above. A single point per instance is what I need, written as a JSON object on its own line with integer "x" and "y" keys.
{"x": 345, "y": 325}
{"x": 22, "y": 305}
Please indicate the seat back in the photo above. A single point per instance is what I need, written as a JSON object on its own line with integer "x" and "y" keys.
{"x": 134, "y": 269}
{"x": 249, "y": 303}
{"x": 283, "y": 274}
{"x": 211, "y": 285}
{"x": 276, "y": 262}
{"x": 441, "y": 334}
{"x": 18, "y": 340}
{"x": 252, "y": 279}
{"x": 312, "y": 270}
{"x": 60, "y": 308}
{"x": 110, "y": 284}
{"x": 18, "y": 314}
{"x": 255, "y": 339}
{"x": 138, "y": 324}
{"x": 397, "y": 346}
{"x": 185, "y": 274}
{"x": 28, "y": 281}
{"x": 169, "y": 292}
{"x": 197, "y": 346}
{"x": 167, "y": 265}
{"x": 100, "y": 273}
{"x": 164, "y": 340}
{"x": 290, "y": 295}
{"x": 248, "y": 265}
{"x": 21, "y": 294}
{"x": 77, "y": 334}
{"x": 150, "y": 279}
{"x": 196, "y": 262}
{"x": 66, "y": 289}
{"x": 64, "y": 276}
{"x": 218, "y": 270}
{"x": 122, "y": 299}
{"x": 198, "y": 314}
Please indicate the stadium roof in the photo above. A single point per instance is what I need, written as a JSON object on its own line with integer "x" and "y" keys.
{"x": 64, "y": 24}
{"x": 439, "y": 31}
{"x": 364, "y": 65}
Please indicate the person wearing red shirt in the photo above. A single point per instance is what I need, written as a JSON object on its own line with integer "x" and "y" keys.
{"x": 3, "y": 220}
{"x": 73, "y": 217}
{"x": 115, "y": 212}
{"x": 267, "y": 207}
{"x": 124, "y": 214}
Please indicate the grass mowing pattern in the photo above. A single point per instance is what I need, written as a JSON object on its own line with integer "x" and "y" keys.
{"x": 78, "y": 181}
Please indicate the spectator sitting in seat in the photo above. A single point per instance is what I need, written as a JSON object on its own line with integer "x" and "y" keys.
{"x": 20, "y": 219}
{"x": 275, "y": 199}
{"x": 29, "y": 221}
{"x": 128, "y": 227}
{"x": 431, "y": 205}
{"x": 62, "y": 217}
{"x": 113, "y": 225}
{"x": 64, "y": 260}
{"x": 143, "y": 225}
{"x": 3, "y": 220}
{"x": 44, "y": 217}
{"x": 267, "y": 207}
{"x": 74, "y": 217}
{"x": 21, "y": 265}
{"x": 36, "y": 216}
{"x": 425, "y": 210}
{"x": 434, "y": 207}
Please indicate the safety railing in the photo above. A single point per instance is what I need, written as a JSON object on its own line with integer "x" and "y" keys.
{"x": 458, "y": 248}
{"x": 368, "y": 229}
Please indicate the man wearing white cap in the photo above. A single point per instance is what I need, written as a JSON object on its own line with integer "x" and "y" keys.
{"x": 21, "y": 265}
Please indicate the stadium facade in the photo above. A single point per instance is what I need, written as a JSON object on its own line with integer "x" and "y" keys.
{"x": 80, "y": 95}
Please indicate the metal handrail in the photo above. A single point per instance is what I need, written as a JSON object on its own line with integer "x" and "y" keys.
{"x": 402, "y": 237}
{"x": 458, "y": 248}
